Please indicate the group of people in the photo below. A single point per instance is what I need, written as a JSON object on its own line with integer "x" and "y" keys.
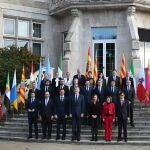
{"x": 82, "y": 101}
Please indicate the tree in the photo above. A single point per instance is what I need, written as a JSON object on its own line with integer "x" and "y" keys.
{"x": 14, "y": 58}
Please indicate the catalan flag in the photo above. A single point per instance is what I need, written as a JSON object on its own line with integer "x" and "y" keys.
{"x": 89, "y": 62}
{"x": 31, "y": 74}
{"x": 95, "y": 74}
{"x": 13, "y": 95}
{"x": 123, "y": 71}
{"x": 22, "y": 87}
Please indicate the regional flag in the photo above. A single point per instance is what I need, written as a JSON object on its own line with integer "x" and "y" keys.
{"x": 95, "y": 74}
{"x": 60, "y": 67}
{"x": 31, "y": 74}
{"x": 48, "y": 68}
{"x": 123, "y": 71}
{"x": 89, "y": 62}
{"x": 39, "y": 77}
{"x": 7, "y": 92}
{"x": 22, "y": 87}
{"x": 13, "y": 95}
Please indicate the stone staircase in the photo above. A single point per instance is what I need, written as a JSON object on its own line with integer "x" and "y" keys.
{"x": 16, "y": 128}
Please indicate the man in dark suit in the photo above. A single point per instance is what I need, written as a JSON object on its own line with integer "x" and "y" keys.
{"x": 44, "y": 80}
{"x": 47, "y": 88}
{"x": 130, "y": 96}
{"x": 55, "y": 81}
{"x": 125, "y": 79}
{"x": 62, "y": 86}
{"x": 100, "y": 91}
{"x": 32, "y": 107}
{"x": 76, "y": 110}
{"x": 87, "y": 93}
{"x": 61, "y": 113}
{"x": 47, "y": 115}
{"x": 115, "y": 78}
{"x": 122, "y": 115}
{"x": 113, "y": 91}
{"x": 35, "y": 90}
{"x": 75, "y": 84}
{"x": 80, "y": 77}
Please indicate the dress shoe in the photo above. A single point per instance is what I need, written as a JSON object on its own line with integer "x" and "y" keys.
{"x": 63, "y": 138}
{"x": 92, "y": 139}
{"x": 49, "y": 137}
{"x": 58, "y": 138}
{"x": 43, "y": 137}
{"x": 37, "y": 137}
{"x": 125, "y": 140}
{"x": 132, "y": 125}
{"x": 78, "y": 139}
{"x": 119, "y": 139}
{"x": 30, "y": 136}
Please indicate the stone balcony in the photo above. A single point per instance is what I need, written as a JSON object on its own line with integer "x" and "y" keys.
{"x": 57, "y": 6}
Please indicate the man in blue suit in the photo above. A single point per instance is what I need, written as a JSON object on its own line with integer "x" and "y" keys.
{"x": 32, "y": 107}
{"x": 61, "y": 113}
{"x": 87, "y": 93}
{"x": 76, "y": 110}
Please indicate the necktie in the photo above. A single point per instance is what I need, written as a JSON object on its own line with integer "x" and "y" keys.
{"x": 100, "y": 89}
{"x": 76, "y": 97}
{"x": 128, "y": 88}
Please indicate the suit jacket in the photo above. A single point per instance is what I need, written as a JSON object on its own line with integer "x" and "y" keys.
{"x": 66, "y": 89}
{"x": 117, "y": 81}
{"x": 47, "y": 111}
{"x": 71, "y": 92}
{"x": 81, "y": 79}
{"x": 129, "y": 95}
{"x": 76, "y": 108}
{"x": 61, "y": 107}
{"x": 32, "y": 105}
{"x": 101, "y": 95}
{"x": 122, "y": 111}
{"x": 37, "y": 93}
{"x": 114, "y": 94}
{"x": 104, "y": 82}
{"x": 54, "y": 82}
{"x": 50, "y": 90}
{"x": 124, "y": 80}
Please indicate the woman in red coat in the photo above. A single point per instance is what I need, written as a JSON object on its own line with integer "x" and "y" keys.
{"x": 108, "y": 116}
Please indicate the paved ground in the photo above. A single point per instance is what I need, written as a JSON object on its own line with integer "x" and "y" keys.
{"x": 9, "y": 145}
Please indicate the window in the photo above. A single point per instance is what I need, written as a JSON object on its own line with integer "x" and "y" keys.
{"x": 104, "y": 33}
{"x": 9, "y": 26}
{"x": 37, "y": 48}
{"x": 37, "y": 30}
{"x": 23, "y": 28}
{"x": 23, "y": 43}
{"x": 8, "y": 42}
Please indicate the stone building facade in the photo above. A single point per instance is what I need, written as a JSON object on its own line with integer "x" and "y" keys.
{"x": 70, "y": 27}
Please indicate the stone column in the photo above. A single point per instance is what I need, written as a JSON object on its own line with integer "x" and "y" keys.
{"x": 68, "y": 46}
{"x": 1, "y": 28}
{"x": 135, "y": 47}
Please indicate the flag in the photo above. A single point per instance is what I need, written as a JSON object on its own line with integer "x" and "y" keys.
{"x": 123, "y": 71}
{"x": 13, "y": 95}
{"x": 148, "y": 78}
{"x": 60, "y": 67}
{"x": 39, "y": 77}
{"x": 7, "y": 92}
{"x": 132, "y": 75}
{"x": 31, "y": 75}
{"x": 89, "y": 62}
{"x": 22, "y": 87}
{"x": 95, "y": 74}
{"x": 141, "y": 90}
{"x": 48, "y": 68}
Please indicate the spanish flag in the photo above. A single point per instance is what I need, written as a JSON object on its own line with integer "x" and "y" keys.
{"x": 95, "y": 74}
{"x": 89, "y": 62}
{"x": 123, "y": 71}
{"x": 22, "y": 87}
{"x": 13, "y": 96}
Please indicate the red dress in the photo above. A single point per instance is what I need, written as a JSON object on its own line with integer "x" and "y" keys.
{"x": 1, "y": 111}
{"x": 108, "y": 115}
